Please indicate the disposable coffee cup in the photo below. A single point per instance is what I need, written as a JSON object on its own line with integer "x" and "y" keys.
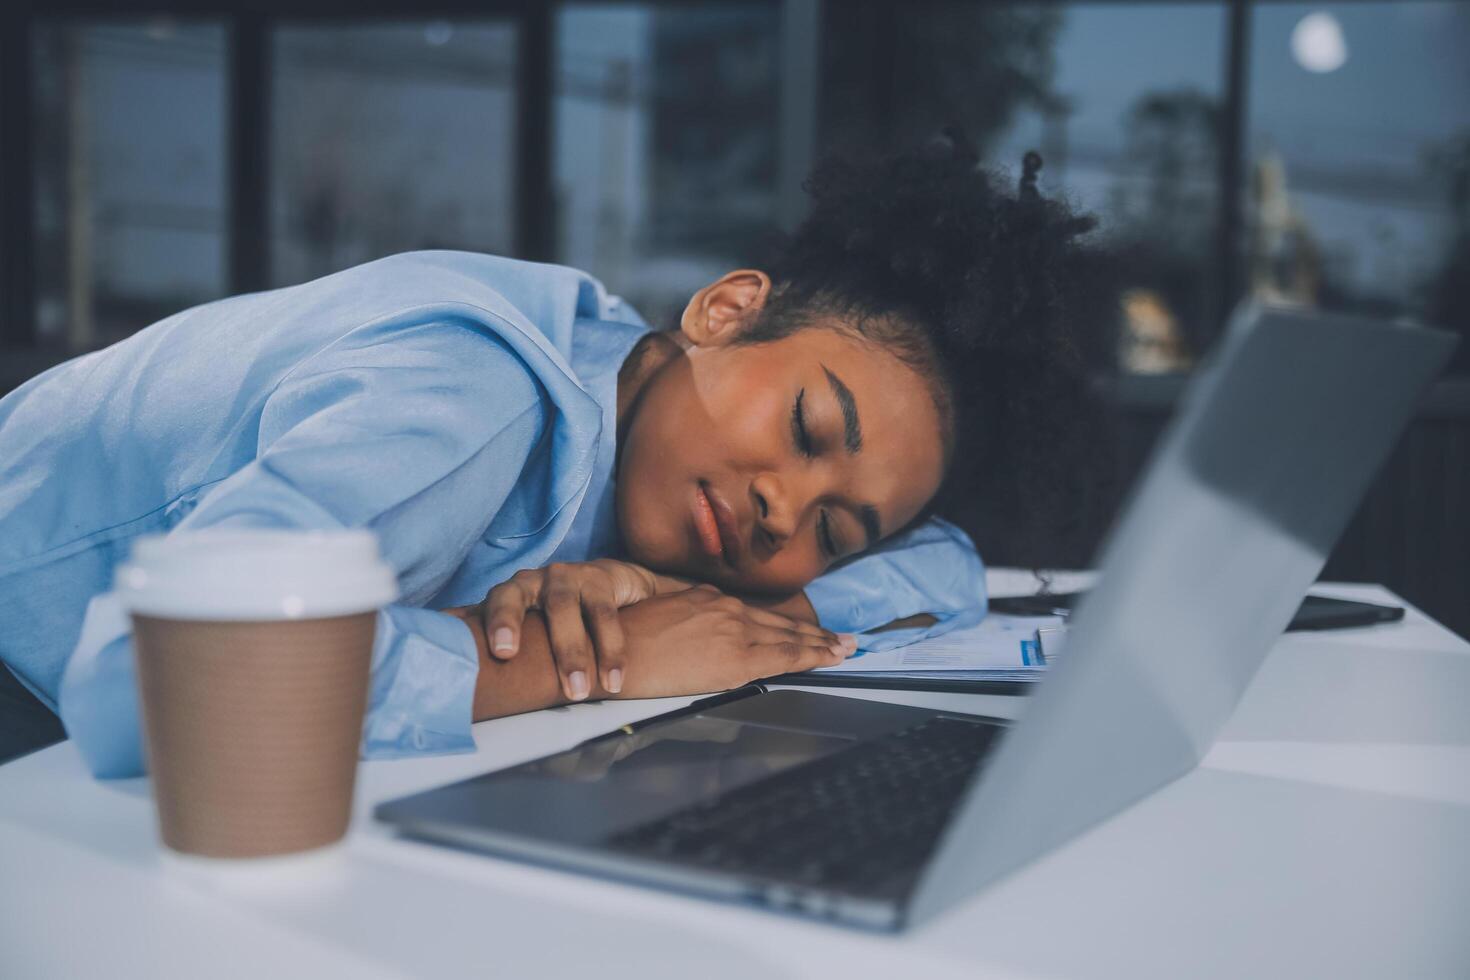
{"x": 253, "y": 651}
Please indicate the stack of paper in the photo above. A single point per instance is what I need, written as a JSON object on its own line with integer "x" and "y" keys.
{"x": 998, "y": 648}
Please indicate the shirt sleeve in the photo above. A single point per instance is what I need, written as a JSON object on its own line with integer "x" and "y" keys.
{"x": 932, "y": 568}
{"x": 400, "y": 438}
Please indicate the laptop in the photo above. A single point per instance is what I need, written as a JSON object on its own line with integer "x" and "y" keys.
{"x": 882, "y": 816}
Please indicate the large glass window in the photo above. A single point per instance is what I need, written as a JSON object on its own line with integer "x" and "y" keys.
{"x": 1122, "y": 101}
{"x": 390, "y": 137}
{"x": 1128, "y": 129}
{"x": 1359, "y": 158}
{"x": 130, "y": 175}
{"x": 682, "y": 132}
{"x": 666, "y": 156}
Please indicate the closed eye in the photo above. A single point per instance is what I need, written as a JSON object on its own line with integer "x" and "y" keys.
{"x": 826, "y": 542}
{"x": 799, "y": 433}
{"x": 824, "y": 536}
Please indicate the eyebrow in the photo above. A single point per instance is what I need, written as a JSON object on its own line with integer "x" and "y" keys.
{"x": 852, "y": 426}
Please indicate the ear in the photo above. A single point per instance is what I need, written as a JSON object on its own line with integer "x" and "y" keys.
{"x": 717, "y": 313}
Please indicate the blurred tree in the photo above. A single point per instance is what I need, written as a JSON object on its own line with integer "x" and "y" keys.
{"x": 715, "y": 101}
{"x": 893, "y": 74}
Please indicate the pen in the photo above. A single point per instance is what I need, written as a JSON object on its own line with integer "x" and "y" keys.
{"x": 693, "y": 708}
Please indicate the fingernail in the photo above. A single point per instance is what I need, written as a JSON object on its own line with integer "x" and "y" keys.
{"x": 848, "y": 640}
{"x": 578, "y": 681}
{"x": 505, "y": 639}
{"x": 615, "y": 680}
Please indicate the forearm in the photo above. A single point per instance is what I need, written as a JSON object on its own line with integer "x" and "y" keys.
{"x": 526, "y": 682}
{"x": 797, "y": 607}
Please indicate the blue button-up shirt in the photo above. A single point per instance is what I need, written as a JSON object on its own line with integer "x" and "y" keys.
{"x": 462, "y": 406}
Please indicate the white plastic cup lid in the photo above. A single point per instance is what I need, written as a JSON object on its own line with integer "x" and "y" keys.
{"x": 256, "y": 575}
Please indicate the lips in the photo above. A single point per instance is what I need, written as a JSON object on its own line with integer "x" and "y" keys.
{"x": 715, "y": 522}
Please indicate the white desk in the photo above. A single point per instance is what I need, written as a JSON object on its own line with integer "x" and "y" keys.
{"x": 1327, "y": 835}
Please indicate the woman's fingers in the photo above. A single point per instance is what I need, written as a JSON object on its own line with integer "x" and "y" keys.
{"x": 601, "y": 615}
{"x": 503, "y": 612}
{"x": 793, "y": 656}
{"x": 777, "y": 635}
{"x": 767, "y": 618}
{"x": 787, "y": 649}
{"x": 571, "y": 647}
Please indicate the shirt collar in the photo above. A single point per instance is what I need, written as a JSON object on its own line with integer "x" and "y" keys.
{"x": 599, "y": 348}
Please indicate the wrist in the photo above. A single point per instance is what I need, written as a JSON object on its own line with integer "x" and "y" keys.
{"x": 526, "y": 682}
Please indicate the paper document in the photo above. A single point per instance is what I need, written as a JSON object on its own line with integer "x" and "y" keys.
{"x": 996, "y": 643}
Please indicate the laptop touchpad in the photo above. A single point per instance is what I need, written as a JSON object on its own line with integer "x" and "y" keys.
{"x": 586, "y": 793}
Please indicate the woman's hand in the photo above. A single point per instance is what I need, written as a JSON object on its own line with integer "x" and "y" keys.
{"x": 580, "y": 602}
{"x": 687, "y": 642}
{"x": 701, "y": 640}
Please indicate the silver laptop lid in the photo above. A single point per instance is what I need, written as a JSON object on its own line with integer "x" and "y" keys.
{"x": 1272, "y": 448}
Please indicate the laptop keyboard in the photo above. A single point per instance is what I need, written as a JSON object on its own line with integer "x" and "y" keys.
{"x": 849, "y": 821}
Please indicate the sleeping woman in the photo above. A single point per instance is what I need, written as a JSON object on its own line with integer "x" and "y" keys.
{"x": 577, "y": 506}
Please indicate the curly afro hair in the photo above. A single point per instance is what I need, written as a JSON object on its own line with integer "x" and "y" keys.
{"x": 995, "y": 297}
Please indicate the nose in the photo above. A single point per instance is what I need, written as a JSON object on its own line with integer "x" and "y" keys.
{"x": 775, "y": 511}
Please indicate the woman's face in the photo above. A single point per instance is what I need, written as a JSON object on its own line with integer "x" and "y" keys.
{"x": 756, "y": 467}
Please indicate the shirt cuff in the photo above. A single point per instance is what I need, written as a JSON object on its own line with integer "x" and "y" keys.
{"x": 425, "y": 664}
{"x": 98, "y": 699}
